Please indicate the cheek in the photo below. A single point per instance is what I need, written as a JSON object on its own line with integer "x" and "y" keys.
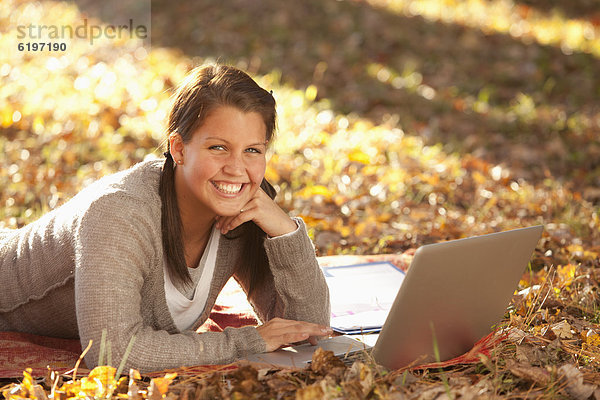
{"x": 257, "y": 171}
{"x": 196, "y": 177}
{"x": 203, "y": 169}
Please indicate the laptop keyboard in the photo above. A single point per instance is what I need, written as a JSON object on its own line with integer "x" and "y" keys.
{"x": 363, "y": 356}
{"x": 350, "y": 358}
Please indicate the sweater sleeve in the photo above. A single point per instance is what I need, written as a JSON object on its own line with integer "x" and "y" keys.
{"x": 116, "y": 251}
{"x": 296, "y": 288}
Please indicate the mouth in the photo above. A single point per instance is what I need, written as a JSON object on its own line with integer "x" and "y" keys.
{"x": 228, "y": 188}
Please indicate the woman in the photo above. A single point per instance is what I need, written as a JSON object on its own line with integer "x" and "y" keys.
{"x": 146, "y": 251}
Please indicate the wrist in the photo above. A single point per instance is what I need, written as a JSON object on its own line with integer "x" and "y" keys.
{"x": 290, "y": 227}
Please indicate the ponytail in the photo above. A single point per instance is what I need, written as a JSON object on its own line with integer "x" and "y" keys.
{"x": 170, "y": 223}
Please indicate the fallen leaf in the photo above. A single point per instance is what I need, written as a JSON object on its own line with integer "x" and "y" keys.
{"x": 562, "y": 330}
{"x": 324, "y": 362}
{"x": 361, "y": 374}
{"x": 528, "y": 372}
{"x": 575, "y": 387}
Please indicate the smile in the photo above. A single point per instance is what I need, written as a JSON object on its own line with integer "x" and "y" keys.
{"x": 228, "y": 188}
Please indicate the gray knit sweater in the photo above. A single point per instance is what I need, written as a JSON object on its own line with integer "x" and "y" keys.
{"x": 96, "y": 263}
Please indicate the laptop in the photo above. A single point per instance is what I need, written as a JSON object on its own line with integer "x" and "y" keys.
{"x": 453, "y": 294}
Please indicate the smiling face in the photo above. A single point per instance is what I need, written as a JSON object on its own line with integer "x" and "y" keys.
{"x": 222, "y": 165}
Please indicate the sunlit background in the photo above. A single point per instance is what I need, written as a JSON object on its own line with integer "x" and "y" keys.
{"x": 400, "y": 122}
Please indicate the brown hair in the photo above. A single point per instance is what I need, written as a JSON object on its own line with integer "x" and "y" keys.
{"x": 203, "y": 90}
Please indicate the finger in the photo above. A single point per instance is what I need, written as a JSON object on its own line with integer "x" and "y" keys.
{"x": 303, "y": 326}
{"x": 245, "y": 215}
{"x": 295, "y": 337}
{"x": 222, "y": 221}
{"x": 280, "y": 332}
{"x": 226, "y": 222}
{"x": 315, "y": 329}
{"x": 313, "y": 335}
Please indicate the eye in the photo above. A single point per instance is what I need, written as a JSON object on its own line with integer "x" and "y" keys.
{"x": 217, "y": 147}
{"x": 253, "y": 150}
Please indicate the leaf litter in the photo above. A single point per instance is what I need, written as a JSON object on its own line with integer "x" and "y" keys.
{"x": 369, "y": 179}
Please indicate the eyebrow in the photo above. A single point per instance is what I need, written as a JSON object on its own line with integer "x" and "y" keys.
{"x": 226, "y": 141}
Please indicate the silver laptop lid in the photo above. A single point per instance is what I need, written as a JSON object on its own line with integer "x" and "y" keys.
{"x": 452, "y": 295}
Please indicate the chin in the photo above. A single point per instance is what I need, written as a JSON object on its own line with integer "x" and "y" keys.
{"x": 228, "y": 211}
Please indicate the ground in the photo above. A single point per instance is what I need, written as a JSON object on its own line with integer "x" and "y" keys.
{"x": 401, "y": 123}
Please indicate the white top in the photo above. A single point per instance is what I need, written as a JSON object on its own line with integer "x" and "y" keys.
{"x": 186, "y": 311}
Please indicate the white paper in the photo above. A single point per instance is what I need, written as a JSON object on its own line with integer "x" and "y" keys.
{"x": 362, "y": 295}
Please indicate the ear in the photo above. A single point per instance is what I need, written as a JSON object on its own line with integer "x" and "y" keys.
{"x": 176, "y": 147}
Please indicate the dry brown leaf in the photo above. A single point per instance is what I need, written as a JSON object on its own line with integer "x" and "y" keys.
{"x": 430, "y": 392}
{"x": 160, "y": 386}
{"x": 482, "y": 390}
{"x": 528, "y": 372}
{"x": 562, "y": 330}
{"x": 326, "y": 388}
{"x": 312, "y": 392}
{"x": 525, "y": 353}
{"x": 324, "y": 362}
{"x": 281, "y": 385}
{"x": 361, "y": 376}
{"x": 575, "y": 387}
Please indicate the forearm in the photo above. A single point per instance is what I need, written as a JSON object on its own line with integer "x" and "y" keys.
{"x": 154, "y": 350}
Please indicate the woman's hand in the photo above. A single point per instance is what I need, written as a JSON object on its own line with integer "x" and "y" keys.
{"x": 264, "y": 212}
{"x": 280, "y": 332}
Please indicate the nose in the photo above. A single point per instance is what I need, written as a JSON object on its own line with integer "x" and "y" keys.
{"x": 234, "y": 165}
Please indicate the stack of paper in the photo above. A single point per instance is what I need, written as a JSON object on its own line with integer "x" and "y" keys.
{"x": 362, "y": 295}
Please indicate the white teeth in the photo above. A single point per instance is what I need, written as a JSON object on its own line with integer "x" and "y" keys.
{"x": 228, "y": 188}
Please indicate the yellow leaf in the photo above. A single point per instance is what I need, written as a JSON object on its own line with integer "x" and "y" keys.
{"x": 6, "y": 117}
{"x": 345, "y": 231}
{"x": 575, "y": 248}
{"x": 432, "y": 179}
{"x": 38, "y": 124}
{"x": 70, "y": 157}
{"x": 566, "y": 274}
{"x": 359, "y": 228}
{"x": 104, "y": 374}
{"x": 339, "y": 200}
{"x": 592, "y": 339}
{"x": 27, "y": 380}
{"x": 359, "y": 156}
{"x": 578, "y": 251}
{"x": 71, "y": 389}
{"x": 370, "y": 170}
{"x": 478, "y": 177}
{"x": 271, "y": 175}
{"x": 162, "y": 384}
{"x": 316, "y": 190}
{"x": 362, "y": 125}
{"x": 311, "y": 92}
{"x": 523, "y": 283}
{"x": 99, "y": 382}
{"x": 134, "y": 374}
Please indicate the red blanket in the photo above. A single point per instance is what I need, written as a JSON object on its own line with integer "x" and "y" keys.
{"x": 20, "y": 350}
